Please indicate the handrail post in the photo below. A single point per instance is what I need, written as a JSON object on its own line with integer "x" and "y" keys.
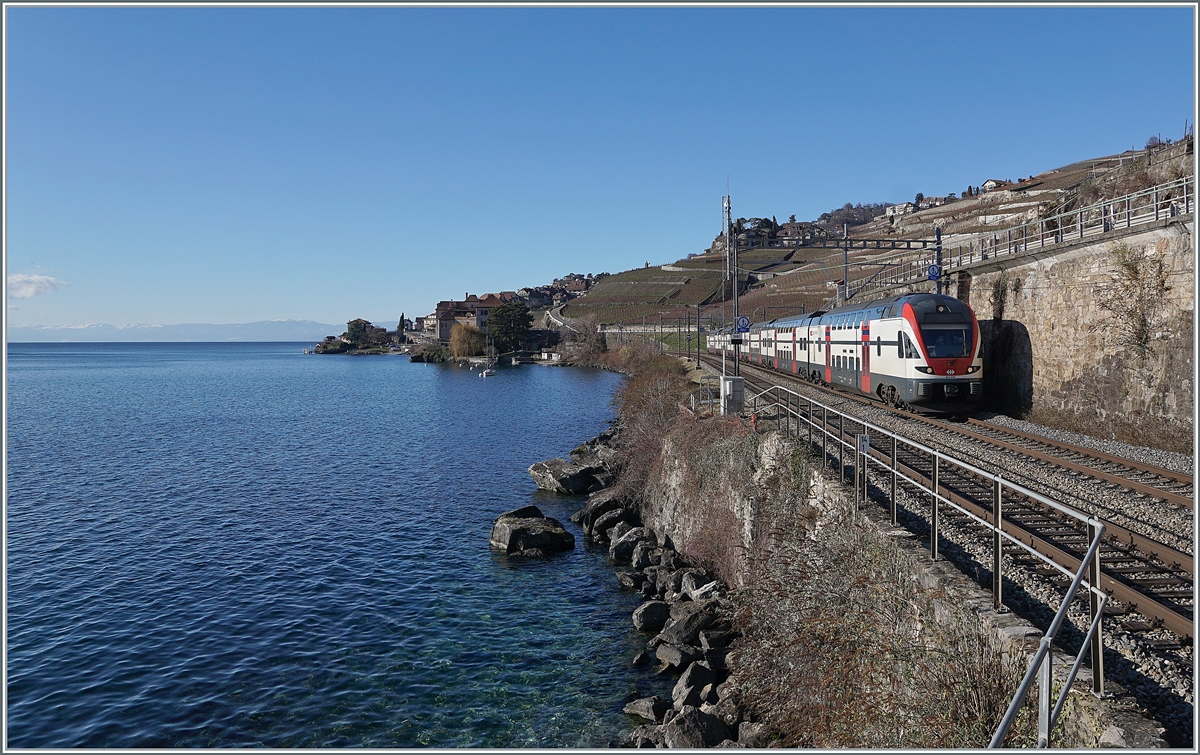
{"x": 824, "y": 437}
{"x": 810, "y": 424}
{"x": 997, "y": 542}
{"x": 933, "y": 534}
{"x": 858, "y": 475}
{"x": 1044, "y": 692}
{"x": 1096, "y": 608}
{"x": 895, "y": 473}
{"x": 1156, "y": 205}
{"x": 841, "y": 448}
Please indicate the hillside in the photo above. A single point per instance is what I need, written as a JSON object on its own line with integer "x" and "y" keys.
{"x": 779, "y": 279}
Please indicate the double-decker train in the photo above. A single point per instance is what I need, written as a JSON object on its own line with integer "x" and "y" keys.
{"x": 917, "y": 351}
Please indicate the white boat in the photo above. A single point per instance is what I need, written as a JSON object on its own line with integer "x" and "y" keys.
{"x": 487, "y": 372}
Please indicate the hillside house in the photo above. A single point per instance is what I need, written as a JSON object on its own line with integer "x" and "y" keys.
{"x": 994, "y": 183}
{"x": 900, "y": 209}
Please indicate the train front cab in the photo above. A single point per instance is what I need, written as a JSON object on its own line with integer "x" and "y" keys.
{"x": 925, "y": 352}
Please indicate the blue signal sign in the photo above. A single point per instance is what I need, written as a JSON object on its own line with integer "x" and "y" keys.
{"x": 935, "y": 272}
{"x": 743, "y": 325}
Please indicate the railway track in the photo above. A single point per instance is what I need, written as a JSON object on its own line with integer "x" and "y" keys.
{"x": 1143, "y": 576}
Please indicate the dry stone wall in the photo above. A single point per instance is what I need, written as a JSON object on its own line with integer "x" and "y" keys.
{"x": 1053, "y": 338}
{"x": 1050, "y": 341}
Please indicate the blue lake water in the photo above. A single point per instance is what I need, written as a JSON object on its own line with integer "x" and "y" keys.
{"x": 221, "y": 545}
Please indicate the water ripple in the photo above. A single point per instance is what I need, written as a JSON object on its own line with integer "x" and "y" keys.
{"x": 238, "y": 545}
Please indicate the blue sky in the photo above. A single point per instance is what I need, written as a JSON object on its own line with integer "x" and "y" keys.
{"x": 172, "y": 165}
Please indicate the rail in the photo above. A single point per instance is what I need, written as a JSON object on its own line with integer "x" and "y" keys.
{"x": 789, "y": 403}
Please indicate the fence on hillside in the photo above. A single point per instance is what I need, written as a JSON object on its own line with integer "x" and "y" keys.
{"x": 1173, "y": 199}
{"x": 827, "y": 428}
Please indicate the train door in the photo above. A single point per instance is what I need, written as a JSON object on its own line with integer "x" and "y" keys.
{"x": 795, "y": 352}
{"x": 865, "y": 378}
{"x": 828, "y": 355}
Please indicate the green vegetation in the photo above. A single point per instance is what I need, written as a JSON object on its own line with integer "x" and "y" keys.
{"x": 508, "y": 326}
{"x": 430, "y": 352}
{"x": 360, "y": 335}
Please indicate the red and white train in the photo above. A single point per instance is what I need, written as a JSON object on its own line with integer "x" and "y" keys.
{"x": 917, "y": 351}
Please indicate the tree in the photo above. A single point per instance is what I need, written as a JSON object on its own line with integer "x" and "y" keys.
{"x": 356, "y": 329}
{"x": 465, "y": 341}
{"x": 791, "y": 218}
{"x": 508, "y": 325}
{"x": 918, "y": 199}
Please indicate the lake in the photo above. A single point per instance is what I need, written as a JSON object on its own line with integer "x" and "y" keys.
{"x": 219, "y": 545}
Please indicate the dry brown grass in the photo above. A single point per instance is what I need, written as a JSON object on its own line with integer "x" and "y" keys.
{"x": 840, "y": 649}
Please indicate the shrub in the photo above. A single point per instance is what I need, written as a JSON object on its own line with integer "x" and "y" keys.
{"x": 465, "y": 341}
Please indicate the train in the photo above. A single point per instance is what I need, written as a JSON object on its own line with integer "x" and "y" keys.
{"x": 919, "y": 352}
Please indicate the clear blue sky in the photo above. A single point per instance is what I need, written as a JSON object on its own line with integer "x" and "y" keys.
{"x": 172, "y": 165}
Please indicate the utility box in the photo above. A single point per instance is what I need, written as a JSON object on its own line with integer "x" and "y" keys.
{"x": 733, "y": 395}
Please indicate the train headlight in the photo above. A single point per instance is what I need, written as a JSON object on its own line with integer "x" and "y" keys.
{"x": 974, "y": 368}
{"x": 926, "y": 370}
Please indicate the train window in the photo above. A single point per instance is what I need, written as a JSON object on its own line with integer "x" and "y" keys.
{"x": 878, "y": 346}
{"x": 857, "y": 364}
{"x": 900, "y": 345}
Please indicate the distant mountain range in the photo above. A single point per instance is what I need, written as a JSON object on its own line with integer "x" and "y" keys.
{"x": 266, "y": 330}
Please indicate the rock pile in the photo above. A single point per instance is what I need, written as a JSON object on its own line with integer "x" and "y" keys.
{"x": 685, "y": 612}
{"x": 685, "y": 609}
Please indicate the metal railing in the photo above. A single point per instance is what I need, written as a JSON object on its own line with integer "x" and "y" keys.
{"x": 1173, "y": 199}
{"x": 793, "y": 421}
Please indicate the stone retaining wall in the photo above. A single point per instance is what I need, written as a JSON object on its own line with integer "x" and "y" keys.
{"x": 1049, "y": 341}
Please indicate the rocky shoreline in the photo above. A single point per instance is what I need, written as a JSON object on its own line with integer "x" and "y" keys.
{"x": 685, "y": 614}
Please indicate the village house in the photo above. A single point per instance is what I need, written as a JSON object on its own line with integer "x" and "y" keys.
{"x": 900, "y": 209}
{"x": 994, "y": 183}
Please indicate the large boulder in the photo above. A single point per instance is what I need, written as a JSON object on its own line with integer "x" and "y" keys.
{"x": 753, "y": 735}
{"x": 561, "y": 476}
{"x": 606, "y": 521}
{"x": 598, "y": 451}
{"x": 692, "y": 729}
{"x": 651, "y": 616}
{"x": 621, "y": 549}
{"x": 648, "y": 736}
{"x": 598, "y": 503}
{"x": 676, "y": 656}
{"x": 692, "y": 581}
{"x": 687, "y": 619}
{"x": 690, "y": 686}
{"x": 650, "y": 708}
{"x": 528, "y": 532}
{"x": 643, "y": 554}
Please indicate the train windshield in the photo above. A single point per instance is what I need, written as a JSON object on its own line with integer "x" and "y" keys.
{"x": 948, "y": 340}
